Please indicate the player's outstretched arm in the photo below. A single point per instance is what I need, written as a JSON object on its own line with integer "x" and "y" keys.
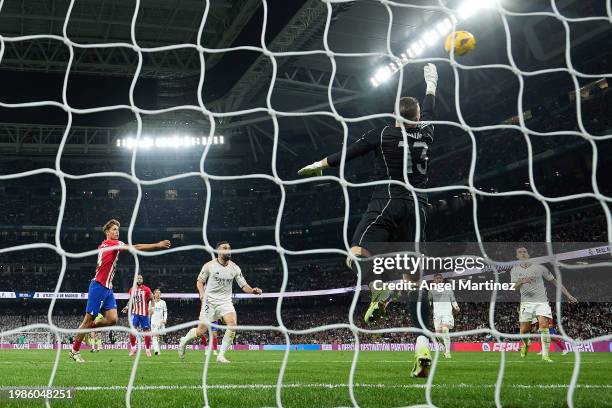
{"x": 165, "y": 244}
{"x": 314, "y": 169}
{"x": 253, "y": 291}
{"x": 566, "y": 292}
{"x": 367, "y": 143}
{"x": 430, "y": 73}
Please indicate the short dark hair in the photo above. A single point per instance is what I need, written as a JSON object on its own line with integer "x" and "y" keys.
{"x": 220, "y": 243}
{"x": 109, "y": 224}
{"x": 438, "y": 274}
{"x": 156, "y": 289}
{"x": 408, "y": 107}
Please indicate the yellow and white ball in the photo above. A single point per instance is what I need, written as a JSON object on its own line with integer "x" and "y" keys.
{"x": 463, "y": 40}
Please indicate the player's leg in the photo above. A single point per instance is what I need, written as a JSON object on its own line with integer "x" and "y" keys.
{"x": 447, "y": 325}
{"x": 155, "y": 338}
{"x": 132, "y": 337}
{"x": 422, "y": 358}
{"x": 215, "y": 341}
{"x": 372, "y": 228}
{"x": 231, "y": 320}
{"x": 552, "y": 330}
{"x": 526, "y": 314}
{"x": 108, "y": 310}
{"x": 544, "y": 337}
{"x": 96, "y": 297}
{"x": 207, "y": 315}
{"x": 92, "y": 341}
{"x": 418, "y": 303}
{"x": 145, "y": 323}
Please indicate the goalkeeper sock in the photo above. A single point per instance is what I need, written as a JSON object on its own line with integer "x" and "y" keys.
{"x": 191, "y": 334}
{"x": 228, "y": 338}
{"x": 99, "y": 343}
{"x": 446, "y": 340}
{"x": 545, "y": 338}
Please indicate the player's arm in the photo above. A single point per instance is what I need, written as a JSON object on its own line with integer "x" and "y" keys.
{"x": 430, "y": 73}
{"x": 365, "y": 144}
{"x": 125, "y": 309}
{"x": 165, "y": 244}
{"x": 150, "y": 308}
{"x": 253, "y": 291}
{"x": 201, "y": 281}
{"x": 246, "y": 288}
{"x": 454, "y": 301}
{"x": 164, "y": 313}
{"x": 566, "y": 292}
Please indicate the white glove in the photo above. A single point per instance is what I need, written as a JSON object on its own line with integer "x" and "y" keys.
{"x": 314, "y": 169}
{"x": 431, "y": 78}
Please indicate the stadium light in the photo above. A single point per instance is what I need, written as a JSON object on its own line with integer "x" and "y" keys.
{"x": 173, "y": 142}
{"x": 431, "y": 37}
{"x": 470, "y": 7}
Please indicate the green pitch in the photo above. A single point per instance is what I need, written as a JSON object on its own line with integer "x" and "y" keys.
{"x": 312, "y": 379}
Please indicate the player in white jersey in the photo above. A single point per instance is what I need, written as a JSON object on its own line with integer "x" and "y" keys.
{"x": 529, "y": 279}
{"x": 443, "y": 302}
{"x": 159, "y": 316}
{"x": 214, "y": 284}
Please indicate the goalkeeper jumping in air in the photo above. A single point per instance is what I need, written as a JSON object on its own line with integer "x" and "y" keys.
{"x": 390, "y": 215}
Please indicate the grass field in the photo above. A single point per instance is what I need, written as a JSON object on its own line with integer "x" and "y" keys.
{"x": 312, "y": 379}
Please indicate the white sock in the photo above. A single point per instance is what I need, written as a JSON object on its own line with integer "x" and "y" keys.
{"x": 228, "y": 338}
{"x": 155, "y": 344}
{"x": 446, "y": 339}
{"x": 545, "y": 339}
{"x": 191, "y": 334}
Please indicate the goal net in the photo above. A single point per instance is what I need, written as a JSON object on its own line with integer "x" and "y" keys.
{"x": 394, "y": 70}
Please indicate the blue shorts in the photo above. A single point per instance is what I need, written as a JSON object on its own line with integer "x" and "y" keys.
{"x": 213, "y": 328}
{"x": 99, "y": 299}
{"x": 141, "y": 320}
{"x": 552, "y": 330}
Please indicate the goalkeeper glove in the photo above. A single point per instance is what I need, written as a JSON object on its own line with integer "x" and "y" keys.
{"x": 314, "y": 169}
{"x": 431, "y": 78}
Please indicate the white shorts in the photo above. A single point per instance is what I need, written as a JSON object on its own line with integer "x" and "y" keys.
{"x": 439, "y": 321}
{"x": 530, "y": 310}
{"x": 211, "y": 311}
{"x": 155, "y": 326}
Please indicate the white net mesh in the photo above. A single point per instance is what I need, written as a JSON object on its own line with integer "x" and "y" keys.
{"x": 341, "y": 180}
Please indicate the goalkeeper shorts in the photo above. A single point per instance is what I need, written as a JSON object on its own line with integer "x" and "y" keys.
{"x": 389, "y": 220}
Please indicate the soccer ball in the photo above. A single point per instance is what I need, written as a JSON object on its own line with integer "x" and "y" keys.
{"x": 464, "y": 42}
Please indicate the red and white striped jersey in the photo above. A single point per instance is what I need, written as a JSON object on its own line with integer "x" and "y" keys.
{"x": 107, "y": 263}
{"x": 140, "y": 301}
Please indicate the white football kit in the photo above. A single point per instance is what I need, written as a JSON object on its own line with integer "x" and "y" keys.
{"x": 443, "y": 302}
{"x": 534, "y": 301}
{"x": 218, "y": 296}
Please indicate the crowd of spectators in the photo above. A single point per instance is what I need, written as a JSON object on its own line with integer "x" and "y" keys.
{"x": 306, "y": 322}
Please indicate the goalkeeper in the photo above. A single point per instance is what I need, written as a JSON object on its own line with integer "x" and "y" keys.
{"x": 390, "y": 216}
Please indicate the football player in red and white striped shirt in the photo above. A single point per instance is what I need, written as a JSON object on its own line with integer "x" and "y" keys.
{"x": 140, "y": 313}
{"x": 100, "y": 297}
